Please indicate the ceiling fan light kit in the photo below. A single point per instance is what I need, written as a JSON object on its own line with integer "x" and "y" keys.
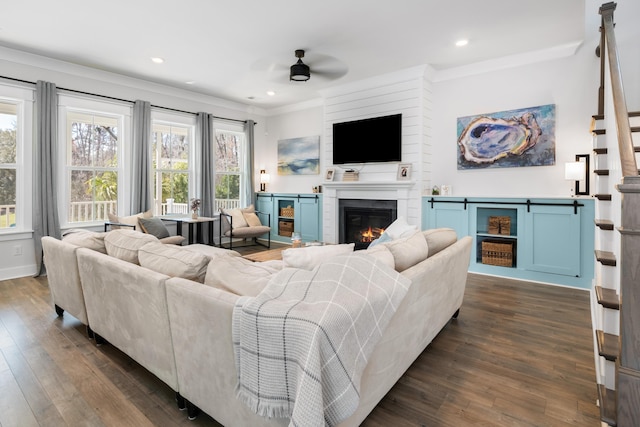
{"x": 299, "y": 71}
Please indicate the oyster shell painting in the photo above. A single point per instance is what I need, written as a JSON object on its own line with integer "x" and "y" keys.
{"x": 524, "y": 137}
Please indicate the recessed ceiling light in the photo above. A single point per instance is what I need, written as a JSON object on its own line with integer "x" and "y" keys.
{"x": 157, "y": 60}
{"x": 462, "y": 42}
{"x": 270, "y": 93}
{"x": 190, "y": 82}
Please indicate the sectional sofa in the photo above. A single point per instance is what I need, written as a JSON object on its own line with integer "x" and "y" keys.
{"x": 171, "y": 308}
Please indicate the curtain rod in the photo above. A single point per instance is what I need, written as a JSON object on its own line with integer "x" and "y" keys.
{"x": 124, "y": 100}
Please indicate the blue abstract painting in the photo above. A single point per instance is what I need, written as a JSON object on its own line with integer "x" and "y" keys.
{"x": 513, "y": 138}
{"x": 299, "y": 156}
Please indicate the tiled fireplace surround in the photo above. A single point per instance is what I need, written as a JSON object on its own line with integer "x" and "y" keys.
{"x": 385, "y": 190}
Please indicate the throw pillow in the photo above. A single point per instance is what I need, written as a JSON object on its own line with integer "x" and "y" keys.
{"x": 131, "y": 220}
{"x": 400, "y": 228}
{"x": 310, "y": 257}
{"x": 249, "y": 214}
{"x": 384, "y": 237}
{"x": 124, "y": 244}
{"x": 154, "y": 226}
{"x": 173, "y": 261}
{"x": 86, "y": 239}
{"x": 237, "y": 218}
{"x": 239, "y": 275}
{"x": 408, "y": 251}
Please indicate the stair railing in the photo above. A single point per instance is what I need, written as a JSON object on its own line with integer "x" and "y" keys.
{"x": 625, "y": 141}
{"x": 627, "y": 401}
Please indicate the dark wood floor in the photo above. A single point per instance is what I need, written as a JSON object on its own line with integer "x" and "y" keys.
{"x": 520, "y": 354}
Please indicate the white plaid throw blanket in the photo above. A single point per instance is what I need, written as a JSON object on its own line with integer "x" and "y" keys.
{"x": 301, "y": 344}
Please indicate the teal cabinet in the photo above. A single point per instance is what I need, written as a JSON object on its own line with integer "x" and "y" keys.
{"x": 545, "y": 240}
{"x": 447, "y": 215}
{"x": 308, "y": 218}
{"x": 555, "y": 240}
{"x": 301, "y": 213}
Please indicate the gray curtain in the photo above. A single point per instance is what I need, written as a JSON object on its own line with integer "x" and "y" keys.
{"x": 248, "y": 163}
{"x": 45, "y": 177}
{"x": 141, "y": 188}
{"x": 205, "y": 137}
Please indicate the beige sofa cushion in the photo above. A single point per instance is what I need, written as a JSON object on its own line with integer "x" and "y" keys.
{"x": 439, "y": 238}
{"x": 239, "y": 275}
{"x": 310, "y": 257}
{"x": 86, "y": 239}
{"x": 408, "y": 251}
{"x": 124, "y": 244}
{"x": 173, "y": 261}
{"x": 211, "y": 251}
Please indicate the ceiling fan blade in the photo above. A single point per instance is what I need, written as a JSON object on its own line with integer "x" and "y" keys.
{"x": 328, "y": 75}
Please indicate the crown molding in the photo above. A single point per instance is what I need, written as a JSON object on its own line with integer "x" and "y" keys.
{"x": 20, "y": 57}
{"x": 505, "y": 62}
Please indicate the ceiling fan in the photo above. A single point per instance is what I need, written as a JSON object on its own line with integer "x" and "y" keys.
{"x": 317, "y": 66}
{"x": 299, "y": 71}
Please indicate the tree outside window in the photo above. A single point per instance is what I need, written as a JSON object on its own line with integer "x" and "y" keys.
{"x": 8, "y": 165}
{"x": 171, "y": 146}
{"x": 92, "y": 164}
{"x": 229, "y": 174}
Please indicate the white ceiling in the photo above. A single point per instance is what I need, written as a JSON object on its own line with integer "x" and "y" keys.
{"x": 237, "y": 50}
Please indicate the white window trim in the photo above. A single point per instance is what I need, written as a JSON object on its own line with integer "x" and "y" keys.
{"x": 231, "y": 127}
{"x": 23, "y": 99}
{"x": 177, "y": 119}
{"x": 70, "y": 103}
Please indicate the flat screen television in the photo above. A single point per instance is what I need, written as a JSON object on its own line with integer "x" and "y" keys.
{"x": 374, "y": 140}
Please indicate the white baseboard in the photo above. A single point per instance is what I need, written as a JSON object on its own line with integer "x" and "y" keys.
{"x": 16, "y": 272}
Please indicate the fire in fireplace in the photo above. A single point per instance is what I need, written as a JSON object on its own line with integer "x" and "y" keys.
{"x": 362, "y": 220}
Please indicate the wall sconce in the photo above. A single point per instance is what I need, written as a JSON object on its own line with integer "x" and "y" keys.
{"x": 578, "y": 171}
{"x": 264, "y": 179}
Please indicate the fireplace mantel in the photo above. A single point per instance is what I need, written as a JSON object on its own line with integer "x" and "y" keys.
{"x": 372, "y": 190}
{"x": 369, "y": 185}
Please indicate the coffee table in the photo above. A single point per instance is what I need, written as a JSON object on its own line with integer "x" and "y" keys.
{"x": 269, "y": 255}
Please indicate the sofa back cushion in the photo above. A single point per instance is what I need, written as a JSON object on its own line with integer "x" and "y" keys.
{"x": 124, "y": 244}
{"x": 239, "y": 275}
{"x": 439, "y": 238}
{"x": 86, "y": 239}
{"x": 408, "y": 251}
{"x": 382, "y": 253}
{"x": 310, "y": 257}
{"x": 173, "y": 261}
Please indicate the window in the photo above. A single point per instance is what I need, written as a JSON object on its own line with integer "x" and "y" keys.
{"x": 8, "y": 164}
{"x": 92, "y": 165}
{"x": 171, "y": 172}
{"x": 229, "y": 172}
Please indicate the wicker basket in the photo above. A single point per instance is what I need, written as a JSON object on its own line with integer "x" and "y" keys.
{"x": 500, "y": 225}
{"x": 497, "y": 252}
{"x": 285, "y": 228}
{"x": 286, "y": 212}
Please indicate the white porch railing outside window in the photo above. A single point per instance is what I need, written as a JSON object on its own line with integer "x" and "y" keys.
{"x": 82, "y": 211}
{"x": 5, "y": 216}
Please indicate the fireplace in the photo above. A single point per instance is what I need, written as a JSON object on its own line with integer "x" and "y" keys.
{"x": 361, "y": 220}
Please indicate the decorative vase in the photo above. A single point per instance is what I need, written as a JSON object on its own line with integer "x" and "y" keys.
{"x": 194, "y": 215}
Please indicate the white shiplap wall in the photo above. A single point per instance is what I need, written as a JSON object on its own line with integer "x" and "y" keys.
{"x": 407, "y": 92}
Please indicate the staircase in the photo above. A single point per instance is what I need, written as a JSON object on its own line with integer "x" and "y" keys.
{"x": 615, "y": 302}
